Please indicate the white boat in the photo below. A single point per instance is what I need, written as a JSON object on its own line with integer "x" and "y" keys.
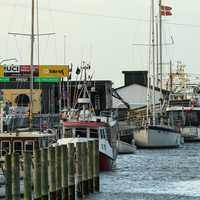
{"x": 83, "y": 125}
{"x": 184, "y": 106}
{"x": 125, "y": 148}
{"x": 156, "y": 131}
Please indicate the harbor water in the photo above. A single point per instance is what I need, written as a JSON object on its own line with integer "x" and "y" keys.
{"x": 153, "y": 174}
{"x": 159, "y": 174}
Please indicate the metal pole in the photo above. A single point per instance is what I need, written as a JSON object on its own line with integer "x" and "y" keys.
{"x": 153, "y": 62}
{"x": 31, "y": 75}
{"x": 160, "y": 22}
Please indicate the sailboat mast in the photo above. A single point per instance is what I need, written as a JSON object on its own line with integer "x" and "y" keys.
{"x": 153, "y": 62}
{"x": 31, "y": 65}
{"x": 160, "y": 22}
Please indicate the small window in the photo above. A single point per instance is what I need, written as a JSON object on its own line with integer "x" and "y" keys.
{"x": 81, "y": 132}
{"x": 29, "y": 146}
{"x": 94, "y": 133}
{"x": 68, "y": 133}
{"x": 5, "y": 147}
{"x": 18, "y": 147}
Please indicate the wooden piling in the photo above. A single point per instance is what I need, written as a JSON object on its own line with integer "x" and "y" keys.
{"x": 96, "y": 164}
{"x": 71, "y": 171}
{"x": 16, "y": 176}
{"x": 44, "y": 174}
{"x": 90, "y": 165}
{"x": 64, "y": 166}
{"x": 37, "y": 175}
{"x": 52, "y": 173}
{"x": 27, "y": 175}
{"x": 8, "y": 177}
{"x": 84, "y": 168}
{"x": 58, "y": 173}
{"x": 79, "y": 187}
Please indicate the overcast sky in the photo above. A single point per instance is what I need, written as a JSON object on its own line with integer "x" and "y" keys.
{"x": 112, "y": 35}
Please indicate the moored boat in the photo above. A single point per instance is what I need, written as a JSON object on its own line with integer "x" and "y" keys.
{"x": 125, "y": 148}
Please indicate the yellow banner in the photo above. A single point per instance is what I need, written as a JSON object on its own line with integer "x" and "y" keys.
{"x": 54, "y": 70}
{"x": 1, "y": 70}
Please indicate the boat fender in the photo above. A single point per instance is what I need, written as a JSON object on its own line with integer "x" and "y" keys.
{"x": 77, "y": 117}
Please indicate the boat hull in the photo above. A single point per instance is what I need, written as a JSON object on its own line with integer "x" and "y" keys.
{"x": 125, "y": 148}
{"x": 107, "y": 154}
{"x": 156, "y": 137}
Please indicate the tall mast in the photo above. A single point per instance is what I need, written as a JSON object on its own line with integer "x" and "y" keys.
{"x": 31, "y": 65}
{"x": 160, "y": 22}
{"x": 153, "y": 63}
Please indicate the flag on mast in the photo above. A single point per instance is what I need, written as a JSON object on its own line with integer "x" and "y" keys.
{"x": 165, "y": 10}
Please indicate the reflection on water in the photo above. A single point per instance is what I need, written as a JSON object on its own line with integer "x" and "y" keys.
{"x": 154, "y": 174}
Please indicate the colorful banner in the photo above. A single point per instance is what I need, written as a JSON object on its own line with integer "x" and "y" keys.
{"x": 54, "y": 71}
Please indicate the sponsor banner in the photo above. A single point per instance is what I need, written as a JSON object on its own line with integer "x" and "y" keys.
{"x": 11, "y": 68}
{"x": 26, "y": 69}
{"x": 46, "y": 79}
{"x": 54, "y": 71}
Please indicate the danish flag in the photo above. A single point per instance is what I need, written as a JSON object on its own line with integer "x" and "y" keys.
{"x": 165, "y": 10}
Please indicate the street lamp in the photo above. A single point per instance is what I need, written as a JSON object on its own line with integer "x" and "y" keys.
{"x": 9, "y": 59}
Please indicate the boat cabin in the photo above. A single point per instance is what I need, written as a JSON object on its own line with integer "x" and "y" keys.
{"x": 23, "y": 141}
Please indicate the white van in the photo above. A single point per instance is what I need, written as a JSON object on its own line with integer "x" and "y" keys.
{"x": 17, "y": 111}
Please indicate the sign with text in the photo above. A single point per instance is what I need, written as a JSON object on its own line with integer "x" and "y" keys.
{"x": 54, "y": 71}
{"x": 4, "y": 79}
{"x": 25, "y": 70}
{"x": 46, "y": 79}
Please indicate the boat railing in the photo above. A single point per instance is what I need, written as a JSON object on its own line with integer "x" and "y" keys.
{"x": 14, "y": 122}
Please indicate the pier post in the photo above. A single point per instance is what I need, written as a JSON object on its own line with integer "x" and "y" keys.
{"x": 37, "y": 174}
{"x": 96, "y": 164}
{"x": 27, "y": 175}
{"x": 84, "y": 168}
{"x": 58, "y": 173}
{"x": 90, "y": 165}
{"x": 44, "y": 174}
{"x": 16, "y": 176}
{"x": 52, "y": 173}
{"x": 71, "y": 171}
{"x": 8, "y": 177}
{"x": 64, "y": 166}
{"x": 79, "y": 187}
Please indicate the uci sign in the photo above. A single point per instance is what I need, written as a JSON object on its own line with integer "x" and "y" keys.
{"x": 11, "y": 68}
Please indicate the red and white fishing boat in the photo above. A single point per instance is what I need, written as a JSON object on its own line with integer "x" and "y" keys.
{"x": 82, "y": 125}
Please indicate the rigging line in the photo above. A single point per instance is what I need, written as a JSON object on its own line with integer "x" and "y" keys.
{"x": 53, "y": 29}
{"x": 18, "y": 49}
{"x": 138, "y": 22}
{"x": 45, "y": 49}
{"x": 24, "y": 26}
{"x": 99, "y": 15}
{"x": 15, "y": 5}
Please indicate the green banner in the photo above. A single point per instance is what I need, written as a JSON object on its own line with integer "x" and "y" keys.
{"x": 46, "y": 79}
{"x": 4, "y": 79}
